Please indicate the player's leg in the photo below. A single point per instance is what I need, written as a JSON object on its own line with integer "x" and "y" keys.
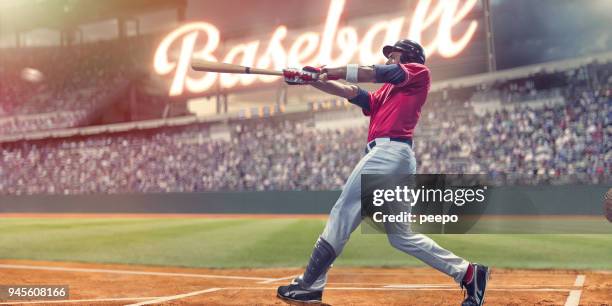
{"x": 346, "y": 213}
{"x": 473, "y": 277}
{"x": 344, "y": 217}
{"x": 386, "y": 158}
{"x": 428, "y": 251}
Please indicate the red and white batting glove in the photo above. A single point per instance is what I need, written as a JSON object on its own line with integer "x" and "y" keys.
{"x": 293, "y": 76}
{"x": 311, "y": 74}
{"x": 307, "y": 75}
{"x": 301, "y": 77}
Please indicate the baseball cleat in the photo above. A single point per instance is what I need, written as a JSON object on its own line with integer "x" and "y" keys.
{"x": 294, "y": 293}
{"x": 475, "y": 288}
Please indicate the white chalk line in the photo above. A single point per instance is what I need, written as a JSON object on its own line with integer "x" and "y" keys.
{"x": 450, "y": 285}
{"x": 573, "y": 299}
{"x": 80, "y": 301}
{"x": 190, "y": 294}
{"x": 564, "y": 287}
{"x": 535, "y": 274}
{"x": 414, "y": 287}
{"x": 269, "y": 281}
{"x": 435, "y": 285}
{"x": 579, "y": 281}
{"x": 408, "y": 289}
{"x": 131, "y": 272}
{"x": 175, "y": 297}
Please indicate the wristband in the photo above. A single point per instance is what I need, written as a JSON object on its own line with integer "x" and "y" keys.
{"x": 351, "y": 73}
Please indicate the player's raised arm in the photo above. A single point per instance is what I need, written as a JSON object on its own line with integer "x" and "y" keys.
{"x": 319, "y": 79}
{"x": 323, "y": 78}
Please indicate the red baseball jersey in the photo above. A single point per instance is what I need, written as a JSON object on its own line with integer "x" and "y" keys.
{"x": 395, "y": 109}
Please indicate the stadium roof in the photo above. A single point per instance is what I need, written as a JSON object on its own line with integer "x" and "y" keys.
{"x": 25, "y": 15}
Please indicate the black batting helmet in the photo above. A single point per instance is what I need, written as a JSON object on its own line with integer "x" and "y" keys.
{"x": 412, "y": 52}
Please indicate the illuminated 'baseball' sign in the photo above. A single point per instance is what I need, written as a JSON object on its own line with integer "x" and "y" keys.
{"x": 310, "y": 47}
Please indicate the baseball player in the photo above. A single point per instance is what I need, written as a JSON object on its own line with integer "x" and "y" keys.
{"x": 394, "y": 110}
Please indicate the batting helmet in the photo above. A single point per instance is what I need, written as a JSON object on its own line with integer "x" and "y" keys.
{"x": 412, "y": 52}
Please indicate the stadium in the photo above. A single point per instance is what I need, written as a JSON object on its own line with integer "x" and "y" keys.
{"x": 127, "y": 177}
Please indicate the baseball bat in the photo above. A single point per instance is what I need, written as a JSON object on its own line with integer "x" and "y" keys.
{"x": 208, "y": 66}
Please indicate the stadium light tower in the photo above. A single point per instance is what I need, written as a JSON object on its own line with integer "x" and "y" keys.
{"x": 491, "y": 62}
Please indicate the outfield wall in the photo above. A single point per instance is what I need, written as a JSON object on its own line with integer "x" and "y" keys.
{"x": 524, "y": 200}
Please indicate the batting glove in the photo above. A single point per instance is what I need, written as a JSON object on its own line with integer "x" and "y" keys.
{"x": 313, "y": 74}
{"x": 307, "y": 75}
{"x": 293, "y": 76}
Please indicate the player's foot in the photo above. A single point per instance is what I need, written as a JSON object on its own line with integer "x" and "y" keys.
{"x": 294, "y": 293}
{"x": 476, "y": 285}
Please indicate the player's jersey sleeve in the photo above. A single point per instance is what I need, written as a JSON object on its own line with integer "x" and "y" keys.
{"x": 375, "y": 100}
{"x": 417, "y": 77}
{"x": 393, "y": 74}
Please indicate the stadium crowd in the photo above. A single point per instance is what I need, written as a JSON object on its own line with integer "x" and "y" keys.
{"x": 554, "y": 144}
{"x": 51, "y": 87}
{"x": 521, "y": 144}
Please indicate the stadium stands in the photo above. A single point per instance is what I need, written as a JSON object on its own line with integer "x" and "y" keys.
{"x": 518, "y": 142}
{"x": 74, "y": 82}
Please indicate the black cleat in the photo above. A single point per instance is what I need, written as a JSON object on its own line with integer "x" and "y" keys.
{"x": 294, "y": 293}
{"x": 475, "y": 290}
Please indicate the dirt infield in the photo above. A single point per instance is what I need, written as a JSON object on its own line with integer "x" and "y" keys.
{"x": 106, "y": 284}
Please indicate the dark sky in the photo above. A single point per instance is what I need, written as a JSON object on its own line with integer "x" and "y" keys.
{"x": 529, "y": 31}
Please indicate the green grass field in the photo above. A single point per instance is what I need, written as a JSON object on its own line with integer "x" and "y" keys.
{"x": 225, "y": 243}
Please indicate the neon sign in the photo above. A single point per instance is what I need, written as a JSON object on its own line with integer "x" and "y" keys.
{"x": 309, "y": 47}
